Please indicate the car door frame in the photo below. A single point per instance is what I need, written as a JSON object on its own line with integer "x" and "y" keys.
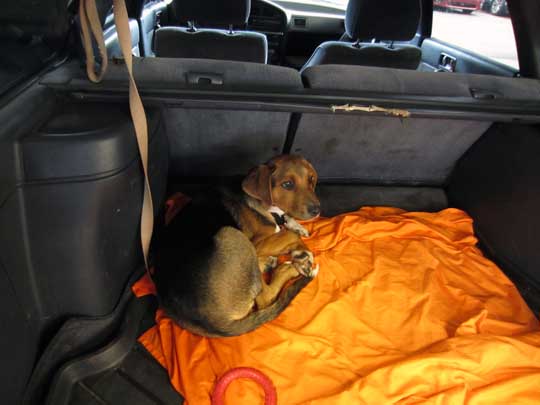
{"x": 524, "y": 15}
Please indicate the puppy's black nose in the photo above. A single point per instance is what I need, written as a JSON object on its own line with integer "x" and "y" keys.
{"x": 314, "y": 209}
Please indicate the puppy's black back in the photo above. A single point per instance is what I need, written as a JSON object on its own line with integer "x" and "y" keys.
{"x": 182, "y": 250}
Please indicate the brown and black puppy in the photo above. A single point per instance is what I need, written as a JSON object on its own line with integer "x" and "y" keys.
{"x": 211, "y": 258}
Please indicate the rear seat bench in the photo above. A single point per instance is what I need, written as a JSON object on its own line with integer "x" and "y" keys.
{"x": 367, "y": 151}
{"x": 387, "y": 150}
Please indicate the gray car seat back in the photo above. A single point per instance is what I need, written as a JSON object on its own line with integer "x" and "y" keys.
{"x": 203, "y": 38}
{"x": 375, "y": 20}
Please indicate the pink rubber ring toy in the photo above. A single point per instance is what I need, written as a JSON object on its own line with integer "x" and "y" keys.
{"x": 270, "y": 394}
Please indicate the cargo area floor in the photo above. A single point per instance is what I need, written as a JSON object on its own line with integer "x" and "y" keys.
{"x": 138, "y": 380}
{"x": 122, "y": 372}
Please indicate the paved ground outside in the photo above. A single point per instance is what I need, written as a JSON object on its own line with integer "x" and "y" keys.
{"x": 480, "y": 32}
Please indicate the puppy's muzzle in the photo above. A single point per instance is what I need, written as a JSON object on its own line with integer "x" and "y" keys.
{"x": 314, "y": 209}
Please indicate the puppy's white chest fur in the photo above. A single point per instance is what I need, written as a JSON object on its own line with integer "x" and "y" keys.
{"x": 278, "y": 211}
{"x": 290, "y": 223}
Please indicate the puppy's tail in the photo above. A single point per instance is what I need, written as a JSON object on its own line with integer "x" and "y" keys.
{"x": 259, "y": 317}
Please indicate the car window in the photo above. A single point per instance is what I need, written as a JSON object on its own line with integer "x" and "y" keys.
{"x": 481, "y": 26}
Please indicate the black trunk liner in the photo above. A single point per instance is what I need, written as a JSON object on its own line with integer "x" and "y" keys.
{"x": 122, "y": 372}
{"x": 139, "y": 380}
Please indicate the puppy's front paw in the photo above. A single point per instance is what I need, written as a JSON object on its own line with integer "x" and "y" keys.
{"x": 292, "y": 225}
{"x": 314, "y": 270}
{"x": 303, "y": 261}
{"x": 267, "y": 264}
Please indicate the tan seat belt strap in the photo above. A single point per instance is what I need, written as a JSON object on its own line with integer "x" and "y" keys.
{"x": 91, "y": 25}
{"x": 89, "y": 17}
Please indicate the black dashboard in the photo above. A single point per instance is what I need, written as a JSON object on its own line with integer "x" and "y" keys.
{"x": 271, "y": 21}
{"x": 295, "y": 29}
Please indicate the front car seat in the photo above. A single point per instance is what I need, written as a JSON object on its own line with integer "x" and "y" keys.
{"x": 375, "y": 20}
{"x": 212, "y": 43}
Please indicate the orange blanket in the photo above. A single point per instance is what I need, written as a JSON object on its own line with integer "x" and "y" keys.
{"x": 405, "y": 309}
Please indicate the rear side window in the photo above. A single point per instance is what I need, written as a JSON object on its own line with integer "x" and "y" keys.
{"x": 480, "y": 26}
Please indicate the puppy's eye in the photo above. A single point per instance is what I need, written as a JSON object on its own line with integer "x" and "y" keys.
{"x": 288, "y": 185}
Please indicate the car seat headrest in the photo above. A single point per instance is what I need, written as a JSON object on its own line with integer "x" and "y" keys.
{"x": 386, "y": 20}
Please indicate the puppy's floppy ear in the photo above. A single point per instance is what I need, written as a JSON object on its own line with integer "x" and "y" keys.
{"x": 258, "y": 184}
{"x": 313, "y": 172}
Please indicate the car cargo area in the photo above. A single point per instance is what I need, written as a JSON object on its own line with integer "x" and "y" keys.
{"x": 434, "y": 147}
{"x": 453, "y": 153}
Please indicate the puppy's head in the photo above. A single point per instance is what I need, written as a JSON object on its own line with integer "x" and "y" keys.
{"x": 287, "y": 182}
